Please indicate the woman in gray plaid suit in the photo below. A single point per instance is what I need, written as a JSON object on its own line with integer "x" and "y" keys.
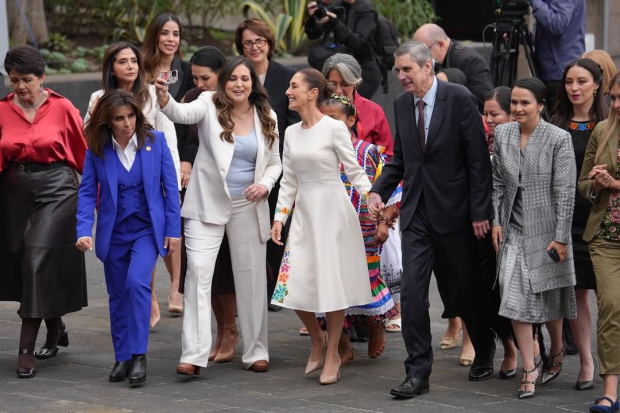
{"x": 534, "y": 175}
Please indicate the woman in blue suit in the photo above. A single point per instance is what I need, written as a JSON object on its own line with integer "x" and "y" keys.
{"x": 138, "y": 218}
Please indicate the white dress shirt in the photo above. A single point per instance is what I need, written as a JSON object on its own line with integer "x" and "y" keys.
{"x": 127, "y": 156}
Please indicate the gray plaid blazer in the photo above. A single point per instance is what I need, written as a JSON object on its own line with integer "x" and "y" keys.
{"x": 548, "y": 179}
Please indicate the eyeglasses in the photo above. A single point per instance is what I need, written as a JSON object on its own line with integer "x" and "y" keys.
{"x": 248, "y": 44}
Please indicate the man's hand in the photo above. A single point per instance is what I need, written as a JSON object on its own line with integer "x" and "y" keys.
{"x": 481, "y": 228}
{"x": 84, "y": 244}
{"x": 311, "y": 8}
{"x": 171, "y": 244}
{"x": 375, "y": 206}
{"x": 276, "y": 232}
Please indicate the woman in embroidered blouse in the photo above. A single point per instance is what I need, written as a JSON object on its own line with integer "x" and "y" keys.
{"x": 324, "y": 267}
{"x": 41, "y": 148}
{"x": 579, "y": 106}
{"x": 599, "y": 182}
{"x": 533, "y": 200}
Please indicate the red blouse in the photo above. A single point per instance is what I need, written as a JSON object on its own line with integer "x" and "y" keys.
{"x": 54, "y": 135}
{"x": 373, "y": 126}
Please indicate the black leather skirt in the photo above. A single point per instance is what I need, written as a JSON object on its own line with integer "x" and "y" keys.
{"x": 41, "y": 267}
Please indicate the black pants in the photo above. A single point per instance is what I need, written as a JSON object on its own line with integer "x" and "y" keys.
{"x": 422, "y": 246}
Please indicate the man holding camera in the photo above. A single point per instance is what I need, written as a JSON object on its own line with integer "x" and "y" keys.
{"x": 354, "y": 25}
{"x": 560, "y": 39}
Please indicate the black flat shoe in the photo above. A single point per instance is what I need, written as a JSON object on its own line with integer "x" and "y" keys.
{"x": 63, "y": 341}
{"x": 480, "y": 373}
{"x": 25, "y": 372}
{"x": 120, "y": 371}
{"x": 411, "y": 387}
{"x": 586, "y": 384}
{"x": 508, "y": 374}
{"x": 137, "y": 369}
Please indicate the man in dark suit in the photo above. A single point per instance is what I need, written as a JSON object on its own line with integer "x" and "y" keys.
{"x": 441, "y": 153}
{"x": 454, "y": 54}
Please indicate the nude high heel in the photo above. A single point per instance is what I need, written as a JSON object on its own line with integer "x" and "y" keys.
{"x": 226, "y": 351}
{"x": 313, "y": 366}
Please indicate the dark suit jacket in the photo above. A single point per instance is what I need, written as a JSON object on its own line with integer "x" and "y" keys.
{"x": 276, "y": 82}
{"x": 187, "y": 147}
{"x": 454, "y": 171}
{"x": 470, "y": 62}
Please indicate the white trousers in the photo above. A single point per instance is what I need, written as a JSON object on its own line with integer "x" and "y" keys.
{"x": 248, "y": 254}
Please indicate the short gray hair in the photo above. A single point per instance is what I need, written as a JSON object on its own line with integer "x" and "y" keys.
{"x": 418, "y": 51}
{"x": 346, "y": 65}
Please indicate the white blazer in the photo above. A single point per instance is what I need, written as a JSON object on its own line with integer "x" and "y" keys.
{"x": 156, "y": 120}
{"x": 207, "y": 198}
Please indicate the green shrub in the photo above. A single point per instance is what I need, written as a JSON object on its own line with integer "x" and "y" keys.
{"x": 50, "y": 70}
{"x": 64, "y": 71}
{"x": 79, "y": 52}
{"x": 79, "y": 66}
{"x": 58, "y": 43}
{"x": 407, "y": 15}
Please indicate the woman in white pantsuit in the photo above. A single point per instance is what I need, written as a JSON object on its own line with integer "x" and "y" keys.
{"x": 237, "y": 164}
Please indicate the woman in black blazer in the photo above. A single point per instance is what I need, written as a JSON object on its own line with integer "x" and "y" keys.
{"x": 254, "y": 40}
{"x": 162, "y": 53}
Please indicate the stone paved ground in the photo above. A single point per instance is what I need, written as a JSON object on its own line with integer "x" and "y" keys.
{"x": 76, "y": 380}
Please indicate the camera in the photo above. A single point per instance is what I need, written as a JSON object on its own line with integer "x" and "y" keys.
{"x": 323, "y": 6}
{"x": 512, "y": 8}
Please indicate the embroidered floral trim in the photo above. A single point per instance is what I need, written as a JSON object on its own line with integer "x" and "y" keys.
{"x": 281, "y": 289}
{"x": 582, "y": 126}
{"x": 284, "y": 211}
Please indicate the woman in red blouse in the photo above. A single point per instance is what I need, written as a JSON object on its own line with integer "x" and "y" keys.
{"x": 41, "y": 148}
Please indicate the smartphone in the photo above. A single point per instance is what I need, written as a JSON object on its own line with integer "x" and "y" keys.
{"x": 554, "y": 255}
{"x": 170, "y": 77}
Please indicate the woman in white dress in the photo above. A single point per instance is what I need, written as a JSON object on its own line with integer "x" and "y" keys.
{"x": 324, "y": 266}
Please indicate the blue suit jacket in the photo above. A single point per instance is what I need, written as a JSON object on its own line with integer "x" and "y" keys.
{"x": 160, "y": 187}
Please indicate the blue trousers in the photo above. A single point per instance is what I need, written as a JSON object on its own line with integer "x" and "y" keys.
{"x": 128, "y": 268}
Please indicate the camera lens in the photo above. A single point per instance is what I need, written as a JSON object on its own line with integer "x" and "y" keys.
{"x": 320, "y": 13}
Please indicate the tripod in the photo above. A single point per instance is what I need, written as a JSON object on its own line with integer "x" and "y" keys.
{"x": 510, "y": 32}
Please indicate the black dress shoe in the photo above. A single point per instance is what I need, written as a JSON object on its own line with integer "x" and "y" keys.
{"x": 25, "y": 372}
{"x": 411, "y": 387}
{"x": 479, "y": 373}
{"x": 63, "y": 341}
{"x": 137, "y": 369}
{"x": 120, "y": 371}
{"x": 274, "y": 308}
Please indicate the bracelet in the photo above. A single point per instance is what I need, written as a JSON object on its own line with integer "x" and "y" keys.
{"x": 389, "y": 222}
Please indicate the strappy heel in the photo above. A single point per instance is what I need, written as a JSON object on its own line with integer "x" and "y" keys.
{"x": 547, "y": 375}
{"x": 26, "y": 372}
{"x": 525, "y": 393}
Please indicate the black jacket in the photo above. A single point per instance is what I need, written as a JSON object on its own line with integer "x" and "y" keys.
{"x": 187, "y": 147}
{"x": 276, "y": 82}
{"x": 357, "y": 32}
{"x": 470, "y": 62}
{"x": 454, "y": 171}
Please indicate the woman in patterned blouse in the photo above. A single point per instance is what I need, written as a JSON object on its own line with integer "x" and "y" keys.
{"x": 600, "y": 183}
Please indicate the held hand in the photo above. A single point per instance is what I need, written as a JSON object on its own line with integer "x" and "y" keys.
{"x": 481, "y": 228}
{"x": 171, "y": 244}
{"x": 560, "y": 248}
{"x": 276, "y": 232}
{"x": 84, "y": 244}
{"x": 186, "y": 170}
{"x": 375, "y": 206}
{"x": 256, "y": 192}
{"x": 498, "y": 237}
{"x": 161, "y": 90}
{"x": 382, "y": 233}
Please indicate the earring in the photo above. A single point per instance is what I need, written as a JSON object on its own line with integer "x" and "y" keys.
{"x": 595, "y": 93}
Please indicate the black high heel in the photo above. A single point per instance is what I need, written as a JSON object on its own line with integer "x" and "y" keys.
{"x": 547, "y": 375}
{"x": 525, "y": 393}
{"x": 586, "y": 384}
{"x": 26, "y": 372}
{"x": 63, "y": 341}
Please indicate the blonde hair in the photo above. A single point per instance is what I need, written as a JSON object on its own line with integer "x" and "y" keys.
{"x": 612, "y": 124}
{"x": 606, "y": 63}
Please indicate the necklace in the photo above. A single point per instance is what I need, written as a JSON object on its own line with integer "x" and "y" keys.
{"x": 240, "y": 117}
{"x": 31, "y": 106}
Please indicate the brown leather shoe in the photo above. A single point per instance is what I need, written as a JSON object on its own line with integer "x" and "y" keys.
{"x": 187, "y": 369}
{"x": 260, "y": 366}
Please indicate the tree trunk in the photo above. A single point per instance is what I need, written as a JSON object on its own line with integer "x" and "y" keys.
{"x": 35, "y": 13}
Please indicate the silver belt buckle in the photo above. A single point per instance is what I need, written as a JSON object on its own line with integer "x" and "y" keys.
{"x": 21, "y": 168}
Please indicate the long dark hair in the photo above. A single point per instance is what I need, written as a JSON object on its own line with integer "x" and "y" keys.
{"x": 315, "y": 80}
{"x": 108, "y": 80}
{"x": 501, "y": 95}
{"x": 152, "y": 54}
{"x": 98, "y": 132}
{"x": 563, "y": 111}
{"x": 258, "y": 98}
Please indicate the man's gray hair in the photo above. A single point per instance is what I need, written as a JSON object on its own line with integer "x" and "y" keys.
{"x": 418, "y": 51}
{"x": 346, "y": 65}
